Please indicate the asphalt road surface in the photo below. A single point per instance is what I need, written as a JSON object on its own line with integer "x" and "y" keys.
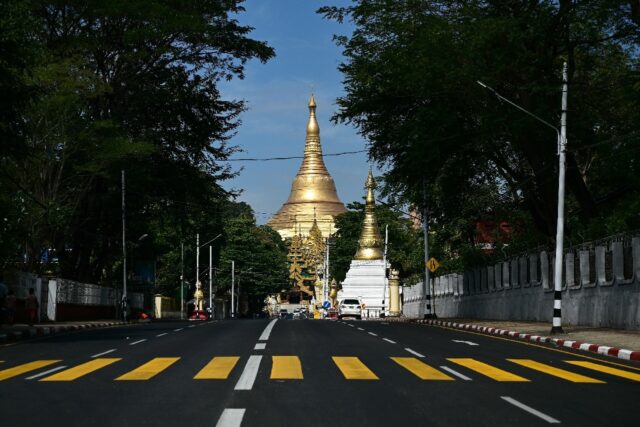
{"x": 307, "y": 373}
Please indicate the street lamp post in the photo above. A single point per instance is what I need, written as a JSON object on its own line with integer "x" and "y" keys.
{"x": 562, "y": 147}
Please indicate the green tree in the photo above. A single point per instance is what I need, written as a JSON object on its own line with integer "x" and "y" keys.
{"x": 410, "y": 73}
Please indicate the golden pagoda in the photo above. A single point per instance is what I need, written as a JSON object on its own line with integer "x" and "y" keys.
{"x": 313, "y": 191}
{"x": 370, "y": 242}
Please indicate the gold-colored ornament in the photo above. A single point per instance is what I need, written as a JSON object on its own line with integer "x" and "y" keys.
{"x": 313, "y": 193}
{"x": 370, "y": 242}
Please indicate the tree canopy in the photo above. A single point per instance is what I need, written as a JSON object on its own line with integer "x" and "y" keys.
{"x": 410, "y": 77}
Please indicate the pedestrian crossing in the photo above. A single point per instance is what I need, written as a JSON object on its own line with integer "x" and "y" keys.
{"x": 348, "y": 368}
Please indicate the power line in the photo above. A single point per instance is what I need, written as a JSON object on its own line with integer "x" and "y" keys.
{"x": 268, "y": 159}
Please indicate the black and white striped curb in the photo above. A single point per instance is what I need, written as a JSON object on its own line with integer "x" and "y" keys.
{"x": 40, "y": 331}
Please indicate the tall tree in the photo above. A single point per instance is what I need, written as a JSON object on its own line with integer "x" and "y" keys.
{"x": 410, "y": 75}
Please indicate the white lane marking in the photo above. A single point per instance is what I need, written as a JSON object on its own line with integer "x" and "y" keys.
{"x": 267, "y": 331}
{"x": 456, "y": 373}
{"x": 231, "y": 417}
{"x": 260, "y": 346}
{"x": 104, "y": 352}
{"x": 466, "y": 342}
{"x": 389, "y": 341}
{"x": 415, "y": 353}
{"x": 371, "y": 333}
{"x": 353, "y": 326}
{"x": 530, "y": 410}
{"x": 42, "y": 374}
{"x": 249, "y": 373}
{"x": 178, "y": 330}
{"x": 360, "y": 329}
{"x": 138, "y": 342}
{"x": 161, "y": 335}
{"x": 191, "y": 326}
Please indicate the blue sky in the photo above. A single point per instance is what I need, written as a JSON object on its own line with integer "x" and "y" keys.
{"x": 277, "y": 94}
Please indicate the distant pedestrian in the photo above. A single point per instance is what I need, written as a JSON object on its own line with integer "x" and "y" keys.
{"x": 10, "y": 307}
{"x": 31, "y": 305}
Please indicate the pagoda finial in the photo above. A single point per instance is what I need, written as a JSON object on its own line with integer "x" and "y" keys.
{"x": 370, "y": 242}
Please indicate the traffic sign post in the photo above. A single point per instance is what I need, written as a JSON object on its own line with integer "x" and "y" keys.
{"x": 432, "y": 266}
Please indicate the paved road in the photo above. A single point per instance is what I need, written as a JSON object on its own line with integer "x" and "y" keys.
{"x": 306, "y": 372}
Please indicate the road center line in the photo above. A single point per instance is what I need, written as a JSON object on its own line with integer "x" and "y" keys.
{"x": 530, "y": 410}
{"x": 161, "y": 335}
{"x": 103, "y": 353}
{"x": 267, "y": 331}
{"x": 249, "y": 373}
{"x": 42, "y": 374}
{"x": 138, "y": 342}
{"x": 191, "y": 326}
{"x": 360, "y": 329}
{"x": 371, "y": 333}
{"x": 456, "y": 373}
{"x": 178, "y": 330}
{"x": 415, "y": 353}
{"x": 260, "y": 346}
{"x": 389, "y": 341}
{"x": 353, "y": 326}
{"x": 231, "y": 417}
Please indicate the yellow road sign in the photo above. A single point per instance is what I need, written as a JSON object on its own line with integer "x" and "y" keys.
{"x": 433, "y": 264}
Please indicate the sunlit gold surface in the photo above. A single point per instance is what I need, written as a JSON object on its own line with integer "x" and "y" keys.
{"x": 312, "y": 188}
{"x": 370, "y": 243}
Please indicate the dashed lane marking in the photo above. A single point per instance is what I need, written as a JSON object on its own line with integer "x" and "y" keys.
{"x": 103, "y": 353}
{"x": 191, "y": 326}
{"x": 415, "y": 353}
{"x": 353, "y": 369}
{"x": 178, "y": 330}
{"x": 371, "y": 333}
{"x": 456, "y": 373}
{"x": 249, "y": 373}
{"x": 530, "y": 410}
{"x": 81, "y": 370}
{"x": 389, "y": 341}
{"x": 421, "y": 369}
{"x": 606, "y": 369}
{"x": 218, "y": 368}
{"x": 231, "y": 417}
{"x": 149, "y": 369}
{"x": 267, "y": 331}
{"x": 286, "y": 368}
{"x": 556, "y": 372}
{"x": 138, "y": 342}
{"x": 24, "y": 368}
{"x": 360, "y": 329}
{"x": 162, "y": 334}
{"x": 488, "y": 370}
{"x": 260, "y": 346}
{"x": 42, "y": 374}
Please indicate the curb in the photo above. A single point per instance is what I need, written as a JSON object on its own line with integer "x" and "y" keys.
{"x": 40, "y": 331}
{"x": 595, "y": 348}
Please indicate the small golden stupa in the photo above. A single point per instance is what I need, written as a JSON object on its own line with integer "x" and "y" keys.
{"x": 313, "y": 192}
{"x": 370, "y": 242}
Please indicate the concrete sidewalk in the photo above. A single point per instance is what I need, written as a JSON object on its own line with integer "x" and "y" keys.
{"x": 21, "y": 331}
{"x": 619, "y": 343}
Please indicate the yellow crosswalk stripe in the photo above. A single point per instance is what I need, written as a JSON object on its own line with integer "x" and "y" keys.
{"x": 81, "y": 370}
{"x": 27, "y": 367}
{"x": 218, "y": 368}
{"x": 556, "y": 372}
{"x": 421, "y": 369}
{"x": 606, "y": 369}
{"x": 149, "y": 369}
{"x": 286, "y": 368}
{"x": 353, "y": 369}
{"x": 488, "y": 370}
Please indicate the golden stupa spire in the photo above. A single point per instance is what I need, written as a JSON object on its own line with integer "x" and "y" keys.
{"x": 312, "y": 190}
{"x": 370, "y": 242}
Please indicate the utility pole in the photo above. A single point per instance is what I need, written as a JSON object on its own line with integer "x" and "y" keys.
{"x": 210, "y": 280}
{"x": 233, "y": 289}
{"x": 182, "y": 280}
{"x": 197, "y": 258}
{"x": 384, "y": 261}
{"x": 124, "y": 253}
{"x": 425, "y": 232}
{"x": 562, "y": 147}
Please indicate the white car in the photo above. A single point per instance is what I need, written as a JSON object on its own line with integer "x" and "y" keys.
{"x": 350, "y": 307}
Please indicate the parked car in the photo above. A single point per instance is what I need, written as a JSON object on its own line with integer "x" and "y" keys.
{"x": 350, "y": 307}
